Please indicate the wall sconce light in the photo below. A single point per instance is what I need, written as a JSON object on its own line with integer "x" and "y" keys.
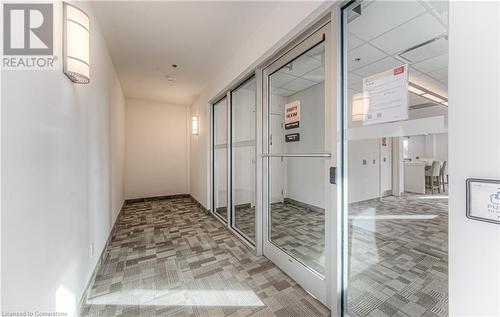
{"x": 76, "y": 44}
{"x": 359, "y": 106}
{"x": 195, "y": 125}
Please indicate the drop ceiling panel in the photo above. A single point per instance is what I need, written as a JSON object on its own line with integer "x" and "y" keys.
{"x": 432, "y": 64}
{"x": 414, "y": 32}
{"x": 282, "y": 92}
{"x": 435, "y": 48}
{"x": 355, "y": 82}
{"x": 381, "y": 16}
{"x": 353, "y": 42}
{"x": 367, "y": 55}
{"x": 279, "y": 79}
{"x": 299, "y": 84}
{"x": 378, "y": 67}
{"x": 440, "y": 74}
{"x": 439, "y": 6}
{"x": 301, "y": 66}
{"x": 316, "y": 52}
{"x": 317, "y": 75}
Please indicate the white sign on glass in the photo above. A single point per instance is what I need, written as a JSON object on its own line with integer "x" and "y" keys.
{"x": 386, "y": 96}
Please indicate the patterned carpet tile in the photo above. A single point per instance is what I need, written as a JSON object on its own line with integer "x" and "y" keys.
{"x": 398, "y": 257}
{"x": 168, "y": 258}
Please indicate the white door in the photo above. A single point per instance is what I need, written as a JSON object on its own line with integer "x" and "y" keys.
{"x": 298, "y": 144}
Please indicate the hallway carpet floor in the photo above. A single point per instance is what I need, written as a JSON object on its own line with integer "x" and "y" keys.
{"x": 168, "y": 258}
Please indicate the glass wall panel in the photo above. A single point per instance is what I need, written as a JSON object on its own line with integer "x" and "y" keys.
{"x": 220, "y": 158}
{"x": 395, "y": 56}
{"x": 243, "y": 103}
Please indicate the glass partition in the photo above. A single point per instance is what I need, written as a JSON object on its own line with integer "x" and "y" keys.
{"x": 243, "y": 107}
{"x": 395, "y": 65}
{"x": 220, "y": 186}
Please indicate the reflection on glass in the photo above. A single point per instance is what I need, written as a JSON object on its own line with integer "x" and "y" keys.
{"x": 297, "y": 200}
{"x": 298, "y": 213}
{"x": 243, "y": 158}
{"x": 397, "y": 228}
{"x": 220, "y": 158}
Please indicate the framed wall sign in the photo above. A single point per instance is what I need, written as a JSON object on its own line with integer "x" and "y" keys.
{"x": 483, "y": 200}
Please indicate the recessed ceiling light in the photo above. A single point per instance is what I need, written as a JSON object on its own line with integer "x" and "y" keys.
{"x": 170, "y": 78}
{"x": 416, "y": 90}
{"x": 357, "y": 59}
{"x": 174, "y": 65}
{"x": 433, "y": 98}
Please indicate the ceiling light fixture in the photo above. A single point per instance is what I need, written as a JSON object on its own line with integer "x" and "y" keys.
{"x": 433, "y": 98}
{"x": 170, "y": 78}
{"x": 415, "y": 90}
{"x": 426, "y": 93}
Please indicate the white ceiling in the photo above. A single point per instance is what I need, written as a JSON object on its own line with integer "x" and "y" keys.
{"x": 305, "y": 71}
{"x": 145, "y": 38}
{"x": 385, "y": 30}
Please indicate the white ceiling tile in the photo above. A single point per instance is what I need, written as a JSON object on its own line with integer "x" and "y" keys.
{"x": 438, "y": 6}
{"x": 382, "y": 16}
{"x": 282, "y": 92}
{"x": 353, "y": 41}
{"x": 317, "y": 75}
{"x": 440, "y": 74}
{"x": 367, "y": 55}
{"x": 414, "y": 32}
{"x": 355, "y": 82}
{"x": 430, "y": 50}
{"x": 317, "y": 52}
{"x": 301, "y": 65}
{"x": 432, "y": 64}
{"x": 279, "y": 78}
{"x": 414, "y": 72}
{"x": 378, "y": 67}
{"x": 299, "y": 84}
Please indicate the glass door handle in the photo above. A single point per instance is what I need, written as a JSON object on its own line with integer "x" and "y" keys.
{"x": 320, "y": 155}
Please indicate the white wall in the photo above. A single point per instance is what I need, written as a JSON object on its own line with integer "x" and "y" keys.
{"x": 301, "y": 171}
{"x": 416, "y": 147}
{"x": 157, "y": 158}
{"x": 280, "y": 26}
{"x": 474, "y": 134}
{"x": 62, "y": 174}
{"x": 363, "y": 170}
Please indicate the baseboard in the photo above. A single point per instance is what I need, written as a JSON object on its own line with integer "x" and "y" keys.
{"x": 303, "y": 205}
{"x": 243, "y": 206}
{"x": 200, "y": 205}
{"x": 99, "y": 261}
{"x": 155, "y": 198}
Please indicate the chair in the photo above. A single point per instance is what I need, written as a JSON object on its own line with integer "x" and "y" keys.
{"x": 433, "y": 173}
{"x": 442, "y": 172}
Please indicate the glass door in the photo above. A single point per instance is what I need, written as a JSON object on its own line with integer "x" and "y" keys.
{"x": 299, "y": 139}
